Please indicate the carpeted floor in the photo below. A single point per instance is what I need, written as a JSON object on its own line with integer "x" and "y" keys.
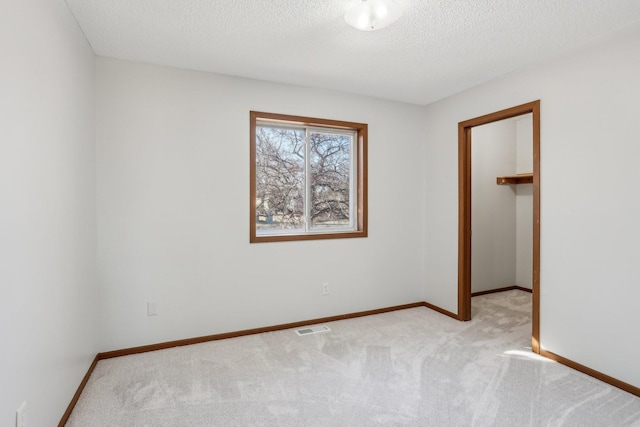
{"x": 411, "y": 367}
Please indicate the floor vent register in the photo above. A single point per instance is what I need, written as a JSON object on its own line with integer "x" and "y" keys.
{"x": 312, "y": 330}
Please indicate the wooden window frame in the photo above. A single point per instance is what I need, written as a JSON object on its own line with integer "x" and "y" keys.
{"x": 360, "y": 175}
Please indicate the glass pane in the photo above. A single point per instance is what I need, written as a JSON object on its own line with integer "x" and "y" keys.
{"x": 330, "y": 158}
{"x": 279, "y": 180}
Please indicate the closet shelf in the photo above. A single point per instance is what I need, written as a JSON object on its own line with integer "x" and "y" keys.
{"x": 522, "y": 178}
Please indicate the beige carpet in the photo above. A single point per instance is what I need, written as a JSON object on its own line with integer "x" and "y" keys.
{"x": 412, "y": 367}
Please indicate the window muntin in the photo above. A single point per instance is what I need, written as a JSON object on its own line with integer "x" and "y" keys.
{"x": 308, "y": 178}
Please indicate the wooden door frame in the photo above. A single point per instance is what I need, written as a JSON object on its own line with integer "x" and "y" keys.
{"x": 464, "y": 210}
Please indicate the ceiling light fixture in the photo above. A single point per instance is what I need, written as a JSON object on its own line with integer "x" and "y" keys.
{"x": 370, "y": 15}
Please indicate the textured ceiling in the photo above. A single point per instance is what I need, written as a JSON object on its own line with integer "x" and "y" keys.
{"x": 435, "y": 49}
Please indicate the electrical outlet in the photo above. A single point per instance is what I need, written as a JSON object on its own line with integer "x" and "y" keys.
{"x": 21, "y": 415}
{"x": 152, "y": 309}
{"x": 325, "y": 288}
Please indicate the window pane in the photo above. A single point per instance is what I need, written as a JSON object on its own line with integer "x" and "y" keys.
{"x": 330, "y": 160}
{"x": 279, "y": 179}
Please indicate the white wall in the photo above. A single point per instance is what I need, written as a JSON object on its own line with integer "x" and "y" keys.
{"x": 47, "y": 210}
{"x": 173, "y": 209}
{"x": 589, "y": 199}
{"x": 493, "y": 207}
{"x": 524, "y": 203}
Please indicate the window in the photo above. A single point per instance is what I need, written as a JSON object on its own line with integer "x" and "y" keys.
{"x": 308, "y": 178}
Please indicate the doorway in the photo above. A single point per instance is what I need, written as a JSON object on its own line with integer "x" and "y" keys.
{"x": 464, "y": 219}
